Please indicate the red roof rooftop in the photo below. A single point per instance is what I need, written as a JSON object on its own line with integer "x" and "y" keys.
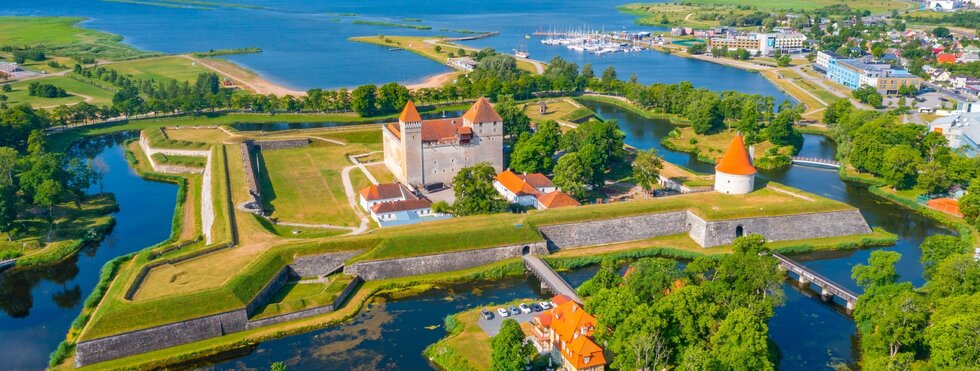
{"x": 482, "y": 112}
{"x": 396, "y": 206}
{"x": 736, "y": 160}
{"x": 386, "y": 191}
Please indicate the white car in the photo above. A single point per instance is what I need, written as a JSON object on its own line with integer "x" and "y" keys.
{"x": 545, "y": 305}
{"x": 503, "y": 312}
{"x": 525, "y": 308}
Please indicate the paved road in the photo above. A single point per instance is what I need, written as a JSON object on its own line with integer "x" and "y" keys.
{"x": 551, "y": 279}
{"x": 492, "y": 326}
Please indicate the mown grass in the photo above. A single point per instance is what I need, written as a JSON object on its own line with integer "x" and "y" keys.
{"x": 36, "y": 240}
{"x": 161, "y": 69}
{"x": 296, "y": 296}
{"x": 77, "y": 92}
{"x": 417, "y": 45}
{"x": 189, "y": 161}
{"x": 60, "y": 36}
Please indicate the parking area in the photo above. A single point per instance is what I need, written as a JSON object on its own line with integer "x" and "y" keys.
{"x": 492, "y": 326}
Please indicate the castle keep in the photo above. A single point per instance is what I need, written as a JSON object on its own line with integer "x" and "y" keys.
{"x": 421, "y": 152}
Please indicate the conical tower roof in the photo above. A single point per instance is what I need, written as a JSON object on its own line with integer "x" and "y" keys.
{"x": 482, "y": 112}
{"x": 736, "y": 160}
{"x": 410, "y": 114}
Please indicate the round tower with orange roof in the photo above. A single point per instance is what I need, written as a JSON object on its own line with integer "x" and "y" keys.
{"x": 735, "y": 174}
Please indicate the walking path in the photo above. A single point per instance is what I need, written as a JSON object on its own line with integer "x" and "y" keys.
{"x": 549, "y": 278}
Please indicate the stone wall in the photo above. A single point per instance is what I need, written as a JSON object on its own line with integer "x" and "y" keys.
{"x": 787, "y": 227}
{"x": 438, "y": 263}
{"x": 600, "y": 232}
{"x": 270, "y": 290}
{"x": 320, "y": 265}
{"x": 308, "y": 312}
{"x": 207, "y": 197}
{"x": 271, "y": 145}
{"x": 255, "y": 204}
{"x": 146, "y": 340}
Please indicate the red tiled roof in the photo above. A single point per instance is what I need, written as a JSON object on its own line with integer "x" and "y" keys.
{"x": 946, "y": 58}
{"x": 386, "y": 191}
{"x": 583, "y": 353}
{"x": 394, "y": 130}
{"x": 557, "y": 199}
{"x": 736, "y": 160}
{"x": 410, "y": 114}
{"x": 390, "y": 207}
{"x": 439, "y": 130}
{"x": 523, "y": 184}
{"x": 574, "y": 327}
{"x": 482, "y": 112}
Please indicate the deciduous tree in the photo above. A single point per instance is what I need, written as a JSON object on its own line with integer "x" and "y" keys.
{"x": 474, "y": 191}
{"x": 646, "y": 168}
{"x": 510, "y": 352}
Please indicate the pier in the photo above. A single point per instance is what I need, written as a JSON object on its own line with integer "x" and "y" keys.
{"x": 549, "y": 278}
{"x": 828, "y": 288}
{"x": 816, "y": 161}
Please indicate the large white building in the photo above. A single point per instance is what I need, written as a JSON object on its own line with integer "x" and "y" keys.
{"x": 531, "y": 190}
{"x": 962, "y": 130}
{"x": 734, "y": 173}
{"x": 424, "y": 152}
{"x": 763, "y": 43}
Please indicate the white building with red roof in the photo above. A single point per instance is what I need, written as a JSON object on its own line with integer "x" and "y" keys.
{"x": 422, "y": 152}
{"x": 394, "y": 204}
{"x": 534, "y": 190}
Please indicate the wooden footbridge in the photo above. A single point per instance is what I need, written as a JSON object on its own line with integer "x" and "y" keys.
{"x": 828, "y": 288}
{"x": 816, "y": 161}
{"x": 549, "y": 278}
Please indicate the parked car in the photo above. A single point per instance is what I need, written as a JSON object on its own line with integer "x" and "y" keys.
{"x": 535, "y": 307}
{"x": 514, "y": 310}
{"x": 486, "y": 314}
{"x": 503, "y": 312}
{"x": 525, "y": 308}
{"x": 545, "y": 305}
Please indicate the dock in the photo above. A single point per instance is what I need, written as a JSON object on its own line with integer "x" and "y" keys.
{"x": 549, "y": 278}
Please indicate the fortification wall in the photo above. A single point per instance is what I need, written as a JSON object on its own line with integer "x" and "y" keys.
{"x": 207, "y": 196}
{"x": 271, "y": 145}
{"x": 146, "y": 340}
{"x": 600, "y": 232}
{"x": 308, "y": 312}
{"x": 320, "y": 265}
{"x": 438, "y": 263}
{"x": 255, "y": 204}
{"x": 270, "y": 290}
{"x": 787, "y": 227}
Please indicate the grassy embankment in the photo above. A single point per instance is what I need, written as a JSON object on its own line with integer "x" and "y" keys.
{"x": 35, "y": 240}
{"x": 417, "y": 45}
{"x": 61, "y": 37}
{"x": 562, "y": 110}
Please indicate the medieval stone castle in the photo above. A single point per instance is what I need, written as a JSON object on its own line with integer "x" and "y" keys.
{"x": 425, "y": 152}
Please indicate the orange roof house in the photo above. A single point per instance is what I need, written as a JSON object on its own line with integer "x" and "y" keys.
{"x": 946, "y": 58}
{"x": 531, "y": 190}
{"x": 566, "y": 332}
{"x": 734, "y": 173}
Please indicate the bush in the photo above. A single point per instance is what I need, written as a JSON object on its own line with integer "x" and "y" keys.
{"x": 60, "y": 354}
{"x": 10, "y": 254}
{"x": 36, "y": 89}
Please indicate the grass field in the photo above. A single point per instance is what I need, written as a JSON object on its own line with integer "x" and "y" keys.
{"x": 36, "y": 236}
{"x": 303, "y": 185}
{"x": 198, "y": 135}
{"x": 559, "y": 110}
{"x": 161, "y": 69}
{"x": 77, "y": 90}
{"x": 61, "y": 37}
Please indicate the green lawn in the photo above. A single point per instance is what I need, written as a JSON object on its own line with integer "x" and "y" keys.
{"x": 161, "y": 69}
{"x": 77, "y": 90}
{"x": 35, "y": 239}
{"x": 60, "y": 36}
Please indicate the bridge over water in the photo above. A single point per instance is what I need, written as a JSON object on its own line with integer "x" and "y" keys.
{"x": 549, "y": 278}
{"x": 828, "y": 288}
{"x": 816, "y": 161}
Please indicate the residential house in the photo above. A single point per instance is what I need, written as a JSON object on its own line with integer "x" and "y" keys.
{"x": 565, "y": 333}
{"x": 962, "y": 130}
{"x": 462, "y": 63}
{"x": 939, "y": 75}
{"x": 394, "y": 204}
{"x": 946, "y": 58}
{"x": 531, "y": 190}
{"x": 962, "y": 81}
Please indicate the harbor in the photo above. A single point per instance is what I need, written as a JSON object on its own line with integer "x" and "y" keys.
{"x": 594, "y": 42}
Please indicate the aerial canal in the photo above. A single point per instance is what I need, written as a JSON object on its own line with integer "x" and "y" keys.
{"x": 39, "y": 304}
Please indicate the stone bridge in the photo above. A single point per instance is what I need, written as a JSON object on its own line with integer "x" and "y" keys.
{"x": 828, "y": 288}
{"x": 549, "y": 279}
{"x": 816, "y": 161}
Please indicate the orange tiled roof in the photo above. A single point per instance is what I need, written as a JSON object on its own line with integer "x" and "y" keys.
{"x": 482, "y": 112}
{"x": 946, "y": 58}
{"x": 736, "y": 160}
{"x": 410, "y": 114}
{"x": 574, "y": 328}
{"x": 557, "y": 199}
{"x": 581, "y": 349}
{"x": 393, "y": 127}
{"x": 386, "y": 191}
{"x": 390, "y": 207}
{"x": 519, "y": 185}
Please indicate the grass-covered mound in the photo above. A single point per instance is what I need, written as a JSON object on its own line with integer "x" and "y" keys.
{"x": 36, "y": 240}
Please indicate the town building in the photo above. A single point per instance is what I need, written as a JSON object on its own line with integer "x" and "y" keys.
{"x": 531, "y": 190}
{"x": 734, "y": 173}
{"x": 9, "y": 68}
{"x": 854, "y": 73}
{"x": 824, "y": 59}
{"x": 943, "y": 5}
{"x": 763, "y": 43}
{"x": 462, "y": 63}
{"x": 430, "y": 152}
{"x": 394, "y": 204}
{"x": 565, "y": 333}
{"x": 962, "y": 130}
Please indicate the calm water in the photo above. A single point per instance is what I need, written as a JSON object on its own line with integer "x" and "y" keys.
{"x": 305, "y": 45}
{"x": 39, "y": 304}
{"x": 280, "y": 126}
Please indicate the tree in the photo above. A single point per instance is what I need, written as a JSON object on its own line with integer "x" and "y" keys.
{"x": 784, "y": 60}
{"x": 704, "y": 115}
{"x": 363, "y": 100}
{"x": 952, "y": 333}
{"x": 9, "y": 208}
{"x": 516, "y": 121}
{"x": 901, "y": 165}
{"x": 572, "y": 175}
{"x": 880, "y": 270}
{"x": 955, "y": 275}
{"x": 646, "y": 168}
{"x": 392, "y": 97}
{"x": 36, "y": 143}
{"x": 606, "y": 278}
{"x": 941, "y": 32}
{"x": 510, "y": 351}
{"x": 970, "y": 203}
{"x": 47, "y": 194}
{"x": 933, "y": 178}
{"x": 741, "y": 343}
{"x": 698, "y": 48}
{"x": 474, "y": 191}
{"x": 937, "y": 248}
{"x": 782, "y": 131}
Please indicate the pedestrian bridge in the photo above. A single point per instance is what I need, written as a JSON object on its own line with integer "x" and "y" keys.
{"x": 828, "y": 288}
{"x": 816, "y": 161}
{"x": 549, "y": 278}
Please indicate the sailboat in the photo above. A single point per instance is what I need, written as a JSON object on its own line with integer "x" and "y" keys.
{"x": 521, "y": 52}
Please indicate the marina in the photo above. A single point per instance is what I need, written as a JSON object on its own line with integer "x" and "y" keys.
{"x": 593, "y": 42}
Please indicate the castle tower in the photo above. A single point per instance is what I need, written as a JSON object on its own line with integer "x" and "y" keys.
{"x": 734, "y": 173}
{"x": 410, "y": 125}
{"x": 489, "y": 129}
